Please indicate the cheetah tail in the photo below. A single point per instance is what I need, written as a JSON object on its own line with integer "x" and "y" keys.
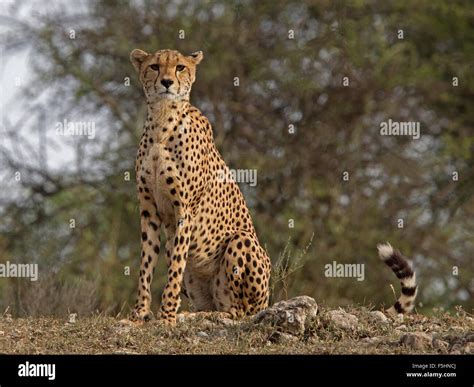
{"x": 403, "y": 270}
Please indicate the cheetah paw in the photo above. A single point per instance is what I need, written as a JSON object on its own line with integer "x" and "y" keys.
{"x": 130, "y": 323}
{"x": 136, "y": 319}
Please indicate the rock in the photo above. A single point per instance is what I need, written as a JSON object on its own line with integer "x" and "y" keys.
{"x": 399, "y": 317}
{"x": 372, "y": 340}
{"x": 416, "y": 340}
{"x": 290, "y": 316}
{"x": 228, "y": 322}
{"x": 202, "y": 334}
{"x": 456, "y": 349}
{"x": 440, "y": 345}
{"x": 72, "y": 318}
{"x": 343, "y": 319}
{"x": 378, "y": 316}
{"x": 460, "y": 346}
{"x": 468, "y": 349}
{"x": 282, "y": 338}
{"x": 402, "y": 327}
{"x": 121, "y": 329}
{"x": 221, "y": 333}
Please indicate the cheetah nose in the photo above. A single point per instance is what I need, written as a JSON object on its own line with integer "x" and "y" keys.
{"x": 166, "y": 82}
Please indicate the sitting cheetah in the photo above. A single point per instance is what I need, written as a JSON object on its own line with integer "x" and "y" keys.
{"x": 212, "y": 251}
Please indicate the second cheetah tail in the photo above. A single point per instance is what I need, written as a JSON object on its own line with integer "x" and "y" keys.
{"x": 405, "y": 273}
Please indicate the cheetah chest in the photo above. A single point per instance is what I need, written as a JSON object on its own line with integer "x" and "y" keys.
{"x": 173, "y": 164}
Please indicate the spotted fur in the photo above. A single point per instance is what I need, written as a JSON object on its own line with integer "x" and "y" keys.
{"x": 212, "y": 251}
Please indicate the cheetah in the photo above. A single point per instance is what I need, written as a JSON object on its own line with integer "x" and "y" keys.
{"x": 212, "y": 251}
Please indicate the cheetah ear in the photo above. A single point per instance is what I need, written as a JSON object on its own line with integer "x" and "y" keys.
{"x": 137, "y": 57}
{"x": 196, "y": 57}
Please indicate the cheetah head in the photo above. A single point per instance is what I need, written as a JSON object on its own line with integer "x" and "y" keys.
{"x": 166, "y": 74}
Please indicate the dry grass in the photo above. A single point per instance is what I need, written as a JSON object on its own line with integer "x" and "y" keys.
{"x": 103, "y": 335}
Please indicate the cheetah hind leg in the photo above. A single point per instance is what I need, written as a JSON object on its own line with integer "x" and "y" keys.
{"x": 241, "y": 284}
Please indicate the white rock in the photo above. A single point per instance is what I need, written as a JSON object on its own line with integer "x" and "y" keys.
{"x": 228, "y": 322}
{"x": 402, "y": 327}
{"x": 372, "y": 340}
{"x": 343, "y": 319}
{"x": 400, "y": 317}
{"x": 72, "y": 318}
{"x": 290, "y": 316}
{"x": 378, "y": 316}
{"x": 282, "y": 338}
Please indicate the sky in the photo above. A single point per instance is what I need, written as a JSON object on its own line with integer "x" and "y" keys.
{"x": 15, "y": 70}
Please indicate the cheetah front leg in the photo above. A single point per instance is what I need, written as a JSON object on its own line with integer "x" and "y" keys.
{"x": 177, "y": 254}
{"x": 150, "y": 249}
{"x": 150, "y": 224}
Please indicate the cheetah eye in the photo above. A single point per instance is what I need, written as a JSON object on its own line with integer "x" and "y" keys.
{"x": 180, "y": 67}
{"x": 155, "y": 67}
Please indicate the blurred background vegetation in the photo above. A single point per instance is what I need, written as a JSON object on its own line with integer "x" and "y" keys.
{"x": 78, "y": 70}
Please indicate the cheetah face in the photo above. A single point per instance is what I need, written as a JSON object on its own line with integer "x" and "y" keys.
{"x": 166, "y": 74}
